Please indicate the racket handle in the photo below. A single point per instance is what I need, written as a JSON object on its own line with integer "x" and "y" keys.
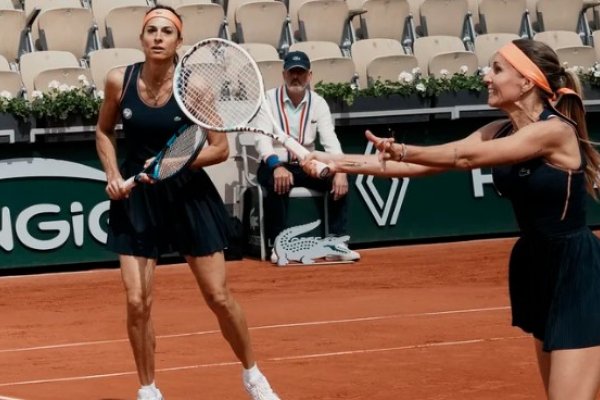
{"x": 300, "y": 151}
{"x": 130, "y": 183}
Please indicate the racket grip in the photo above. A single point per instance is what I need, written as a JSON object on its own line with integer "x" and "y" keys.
{"x": 301, "y": 152}
{"x": 130, "y": 183}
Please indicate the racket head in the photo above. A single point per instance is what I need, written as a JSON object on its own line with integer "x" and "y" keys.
{"x": 181, "y": 149}
{"x": 218, "y": 85}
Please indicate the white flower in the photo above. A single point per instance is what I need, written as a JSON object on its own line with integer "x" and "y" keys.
{"x": 420, "y": 87}
{"x": 416, "y": 71}
{"x": 36, "y": 94}
{"x": 352, "y": 86}
{"x": 596, "y": 74}
{"x": 100, "y": 94}
{"x": 63, "y": 88}
{"x": 444, "y": 72}
{"x": 464, "y": 69}
{"x": 53, "y": 84}
{"x": 5, "y": 94}
{"x": 82, "y": 78}
{"x": 405, "y": 77}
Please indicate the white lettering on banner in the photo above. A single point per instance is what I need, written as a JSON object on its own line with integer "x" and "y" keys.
{"x": 480, "y": 179}
{"x": 6, "y": 231}
{"x": 62, "y": 229}
{"x": 94, "y": 221}
{"x": 57, "y": 231}
{"x": 379, "y": 208}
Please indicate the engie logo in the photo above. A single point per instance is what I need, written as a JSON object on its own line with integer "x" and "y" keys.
{"x": 52, "y": 228}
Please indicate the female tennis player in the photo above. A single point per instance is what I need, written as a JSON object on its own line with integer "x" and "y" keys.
{"x": 544, "y": 163}
{"x": 185, "y": 213}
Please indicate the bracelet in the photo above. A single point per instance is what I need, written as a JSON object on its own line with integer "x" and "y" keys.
{"x": 403, "y": 152}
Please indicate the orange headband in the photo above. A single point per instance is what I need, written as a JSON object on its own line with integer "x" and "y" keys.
{"x": 525, "y": 66}
{"x": 164, "y": 13}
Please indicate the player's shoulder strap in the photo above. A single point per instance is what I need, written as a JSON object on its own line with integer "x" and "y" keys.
{"x": 127, "y": 78}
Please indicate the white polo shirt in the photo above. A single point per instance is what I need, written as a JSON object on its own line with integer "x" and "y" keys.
{"x": 311, "y": 118}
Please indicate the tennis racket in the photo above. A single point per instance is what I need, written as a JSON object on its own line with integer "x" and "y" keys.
{"x": 181, "y": 149}
{"x": 218, "y": 85}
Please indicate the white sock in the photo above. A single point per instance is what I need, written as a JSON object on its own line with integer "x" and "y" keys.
{"x": 252, "y": 374}
{"x": 151, "y": 386}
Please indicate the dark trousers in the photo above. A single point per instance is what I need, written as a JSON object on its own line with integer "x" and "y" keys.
{"x": 276, "y": 206}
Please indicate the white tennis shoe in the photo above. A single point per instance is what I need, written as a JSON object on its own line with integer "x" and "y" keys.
{"x": 260, "y": 389}
{"x": 149, "y": 394}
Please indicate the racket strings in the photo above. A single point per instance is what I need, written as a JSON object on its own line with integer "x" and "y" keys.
{"x": 181, "y": 150}
{"x": 219, "y": 85}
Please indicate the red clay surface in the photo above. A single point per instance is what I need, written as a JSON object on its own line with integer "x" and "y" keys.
{"x": 407, "y": 322}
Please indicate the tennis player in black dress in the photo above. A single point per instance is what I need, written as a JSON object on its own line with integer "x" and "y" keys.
{"x": 544, "y": 163}
{"x": 185, "y": 214}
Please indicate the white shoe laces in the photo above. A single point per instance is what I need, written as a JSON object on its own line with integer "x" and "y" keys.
{"x": 260, "y": 390}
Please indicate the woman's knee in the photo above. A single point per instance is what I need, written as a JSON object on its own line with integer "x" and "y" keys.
{"x": 139, "y": 306}
{"x": 219, "y": 300}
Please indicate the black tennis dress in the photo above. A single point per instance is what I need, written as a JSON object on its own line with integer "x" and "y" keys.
{"x": 554, "y": 271}
{"x": 184, "y": 213}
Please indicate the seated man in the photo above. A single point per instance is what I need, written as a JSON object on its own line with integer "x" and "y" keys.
{"x": 303, "y": 114}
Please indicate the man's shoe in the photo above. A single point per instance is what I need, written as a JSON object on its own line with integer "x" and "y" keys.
{"x": 343, "y": 253}
{"x": 260, "y": 389}
{"x": 149, "y": 394}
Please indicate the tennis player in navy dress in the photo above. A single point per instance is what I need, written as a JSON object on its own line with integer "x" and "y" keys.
{"x": 544, "y": 163}
{"x": 184, "y": 214}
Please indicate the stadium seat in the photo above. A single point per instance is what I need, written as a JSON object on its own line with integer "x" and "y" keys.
{"x": 13, "y": 24}
{"x": 501, "y": 16}
{"x": 366, "y": 50}
{"x": 316, "y": 49}
{"x": 384, "y": 19}
{"x": 7, "y": 5}
{"x": 120, "y": 30}
{"x": 10, "y": 81}
{"x": 427, "y": 47}
{"x": 268, "y": 62}
{"x": 34, "y": 63}
{"x": 201, "y": 21}
{"x": 453, "y": 62}
{"x": 443, "y": 17}
{"x": 103, "y": 60}
{"x": 101, "y": 8}
{"x": 569, "y": 47}
{"x": 44, "y": 5}
{"x": 332, "y": 70}
{"x": 75, "y": 39}
{"x": 553, "y": 15}
{"x": 487, "y": 45}
{"x": 232, "y": 6}
{"x": 261, "y": 22}
{"x": 388, "y": 68}
{"x": 324, "y": 20}
{"x": 261, "y": 51}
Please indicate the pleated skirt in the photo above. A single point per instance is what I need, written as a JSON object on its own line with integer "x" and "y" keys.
{"x": 184, "y": 214}
{"x": 554, "y": 285}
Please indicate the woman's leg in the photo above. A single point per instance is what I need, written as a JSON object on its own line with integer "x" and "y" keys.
{"x": 138, "y": 277}
{"x": 543, "y": 363}
{"x": 574, "y": 374}
{"x": 210, "y": 274}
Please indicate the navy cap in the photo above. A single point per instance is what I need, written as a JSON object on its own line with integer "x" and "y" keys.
{"x": 296, "y": 59}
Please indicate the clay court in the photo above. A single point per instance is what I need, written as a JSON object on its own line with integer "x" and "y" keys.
{"x": 406, "y": 322}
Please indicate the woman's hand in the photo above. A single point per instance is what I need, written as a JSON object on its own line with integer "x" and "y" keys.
{"x": 115, "y": 188}
{"x": 388, "y": 149}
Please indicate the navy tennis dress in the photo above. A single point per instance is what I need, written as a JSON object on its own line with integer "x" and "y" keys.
{"x": 554, "y": 271}
{"x": 185, "y": 213}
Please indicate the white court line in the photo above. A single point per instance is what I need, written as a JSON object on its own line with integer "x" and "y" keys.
{"x": 263, "y": 327}
{"x": 273, "y": 359}
{"x": 9, "y": 398}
